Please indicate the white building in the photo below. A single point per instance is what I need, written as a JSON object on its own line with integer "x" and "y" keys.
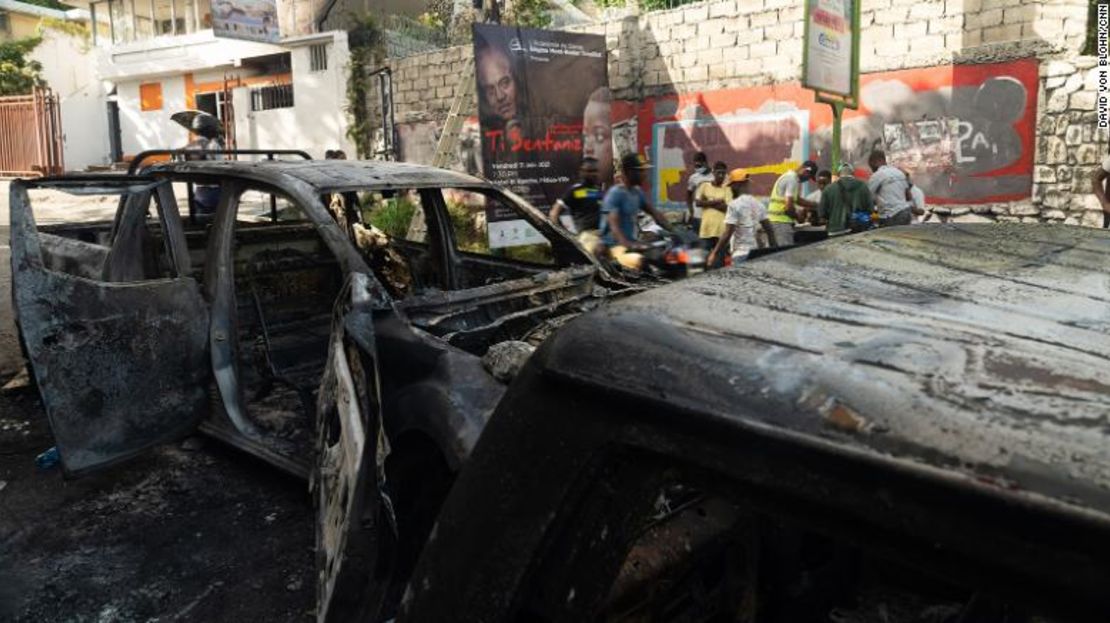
{"x": 162, "y": 56}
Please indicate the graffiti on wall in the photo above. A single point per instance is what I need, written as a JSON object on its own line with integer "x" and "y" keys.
{"x": 765, "y": 145}
{"x": 965, "y": 133}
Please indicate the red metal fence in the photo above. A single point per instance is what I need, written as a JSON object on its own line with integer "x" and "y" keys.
{"x": 31, "y": 135}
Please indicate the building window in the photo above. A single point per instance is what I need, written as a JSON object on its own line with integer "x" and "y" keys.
{"x": 268, "y": 98}
{"x": 318, "y": 56}
{"x": 5, "y": 23}
{"x": 150, "y": 96}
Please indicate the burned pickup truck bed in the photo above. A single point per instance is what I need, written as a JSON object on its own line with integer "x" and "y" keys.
{"x": 907, "y": 425}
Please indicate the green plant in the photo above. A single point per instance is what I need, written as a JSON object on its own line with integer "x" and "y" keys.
{"x": 392, "y": 216}
{"x": 1091, "y": 46}
{"x": 50, "y": 4}
{"x": 19, "y": 74}
{"x": 367, "y": 44}
{"x": 645, "y": 5}
{"x": 75, "y": 30}
{"x": 530, "y": 14}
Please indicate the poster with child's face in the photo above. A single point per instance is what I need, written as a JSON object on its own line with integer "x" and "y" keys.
{"x": 543, "y": 105}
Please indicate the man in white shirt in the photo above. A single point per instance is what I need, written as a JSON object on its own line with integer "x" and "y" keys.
{"x": 700, "y": 175}
{"x": 916, "y": 197}
{"x": 1099, "y": 183}
{"x": 743, "y": 214}
{"x": 889, "y": 186}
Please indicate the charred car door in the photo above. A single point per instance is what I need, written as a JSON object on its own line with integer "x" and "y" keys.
{"x": 115, "y": 334}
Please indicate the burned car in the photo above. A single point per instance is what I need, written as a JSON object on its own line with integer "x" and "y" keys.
{"x": 910, "y": 425}
{"x": 330, "y": 317}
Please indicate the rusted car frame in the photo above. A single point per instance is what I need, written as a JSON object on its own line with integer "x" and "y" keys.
{"x": 137, "y": 330}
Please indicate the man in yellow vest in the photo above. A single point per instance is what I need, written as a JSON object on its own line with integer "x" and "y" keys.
{"x": 787, "y": 206}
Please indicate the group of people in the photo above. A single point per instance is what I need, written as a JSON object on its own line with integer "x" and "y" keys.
{"x": 729, "y": 220}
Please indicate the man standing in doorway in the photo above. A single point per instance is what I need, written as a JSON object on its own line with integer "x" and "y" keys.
{"x": 787, "y": 206}
{"x": 700, "y": 175}
{"x": 713, "y": 197}
{"x": 890, "y": 187}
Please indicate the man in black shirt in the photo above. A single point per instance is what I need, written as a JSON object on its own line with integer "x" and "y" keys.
{"x": 583, "y": 200}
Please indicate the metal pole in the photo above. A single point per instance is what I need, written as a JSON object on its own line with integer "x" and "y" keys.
{"x": 112, "y": 21}
{"x": 273, "y": 199}
{"x": 838, "y": 115}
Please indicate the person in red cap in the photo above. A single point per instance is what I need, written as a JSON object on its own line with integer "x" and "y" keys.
{"x": 743, "y": 215}
{"x": 787, "y": 206}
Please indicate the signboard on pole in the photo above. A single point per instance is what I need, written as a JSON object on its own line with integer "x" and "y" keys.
{"x": 831, "y": 55}
{"x": 543, "y": 105}
{"x": 253, "y": 20}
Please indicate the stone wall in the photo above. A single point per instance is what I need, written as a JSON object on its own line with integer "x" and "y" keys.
{"x": 1070, "y": 144}
{"x": 737, "y": 44}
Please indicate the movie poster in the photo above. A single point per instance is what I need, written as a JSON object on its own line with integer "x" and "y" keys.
{"x": 543, "y": 104}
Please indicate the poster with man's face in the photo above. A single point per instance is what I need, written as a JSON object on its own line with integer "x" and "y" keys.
{"x": 543, "y": 104}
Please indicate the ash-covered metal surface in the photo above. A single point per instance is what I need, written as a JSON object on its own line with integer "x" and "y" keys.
{"x": 330, "y": 175}
{"x": 978, "y": 349}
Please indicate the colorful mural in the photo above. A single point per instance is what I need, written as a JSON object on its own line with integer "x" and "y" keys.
{"x": 964, "y": 132}
{"x": 765, "y": 144}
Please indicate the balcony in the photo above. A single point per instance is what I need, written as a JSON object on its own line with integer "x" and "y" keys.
{"x": 120, "y": 22}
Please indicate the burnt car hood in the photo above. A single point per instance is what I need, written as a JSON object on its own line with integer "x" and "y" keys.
{"x": 968, "y": 352}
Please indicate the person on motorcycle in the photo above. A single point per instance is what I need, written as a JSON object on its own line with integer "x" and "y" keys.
{"x": 623, "y": 204}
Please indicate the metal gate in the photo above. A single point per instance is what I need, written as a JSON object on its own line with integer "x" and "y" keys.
{"x": 31, "y": 135}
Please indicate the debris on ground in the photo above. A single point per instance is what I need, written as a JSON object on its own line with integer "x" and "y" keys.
{"x": 121, "y": 545}
{"x": 19, "y": 382}
{"x": 48, "y": 459}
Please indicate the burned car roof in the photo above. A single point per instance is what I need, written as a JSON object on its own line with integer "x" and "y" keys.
{"x": 972, "y": 352}
{"x": 331, "y": 175}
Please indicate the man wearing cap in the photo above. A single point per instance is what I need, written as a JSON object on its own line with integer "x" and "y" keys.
{"x": 846, "y": 204}
{"x": 889, "y": 186}
{"x": 785, "y": 201}
{"x": 744, "y": 214}
{"x": 623, "y": 204}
